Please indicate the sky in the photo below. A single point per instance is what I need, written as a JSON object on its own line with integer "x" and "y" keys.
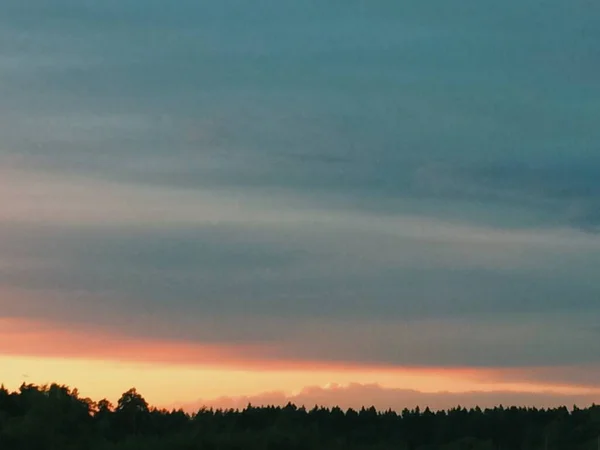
{"x": 336, "y": 202}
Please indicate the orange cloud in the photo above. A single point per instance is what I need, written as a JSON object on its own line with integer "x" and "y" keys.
{"x": 38, "y": 338}
{"x": 45, "y": 339}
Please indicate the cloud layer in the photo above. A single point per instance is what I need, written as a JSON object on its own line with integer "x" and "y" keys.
{"x": 350, "y": 182}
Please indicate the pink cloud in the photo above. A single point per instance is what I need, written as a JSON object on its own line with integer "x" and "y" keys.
{"x": 357, "y": 395}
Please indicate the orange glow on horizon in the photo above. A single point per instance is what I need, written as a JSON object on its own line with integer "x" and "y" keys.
{"x": 103, "y": 364}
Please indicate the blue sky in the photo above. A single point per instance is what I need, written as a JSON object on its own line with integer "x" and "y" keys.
{"x": 407, "y": 183}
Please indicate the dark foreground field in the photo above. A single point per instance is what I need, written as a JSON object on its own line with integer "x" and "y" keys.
{"x": 57, "y": 418}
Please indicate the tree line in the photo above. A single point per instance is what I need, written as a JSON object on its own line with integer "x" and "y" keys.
{"x": 56, "y": 417}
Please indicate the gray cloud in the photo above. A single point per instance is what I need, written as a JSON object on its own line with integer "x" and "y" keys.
{"x": 288, "y": 87}
{"x": 565, "y": 194}
{"x": 308, "y": 269}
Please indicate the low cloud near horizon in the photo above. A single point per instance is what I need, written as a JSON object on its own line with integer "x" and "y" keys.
{"x": 356, "y": 396}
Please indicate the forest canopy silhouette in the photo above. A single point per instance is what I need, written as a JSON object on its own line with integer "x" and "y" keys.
{"x": 53, "y": 417}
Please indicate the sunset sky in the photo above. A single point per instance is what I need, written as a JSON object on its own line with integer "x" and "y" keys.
{"x": 337, "y": 202}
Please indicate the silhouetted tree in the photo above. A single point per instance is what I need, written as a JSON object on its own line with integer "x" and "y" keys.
{"x": 132, "y": 412}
